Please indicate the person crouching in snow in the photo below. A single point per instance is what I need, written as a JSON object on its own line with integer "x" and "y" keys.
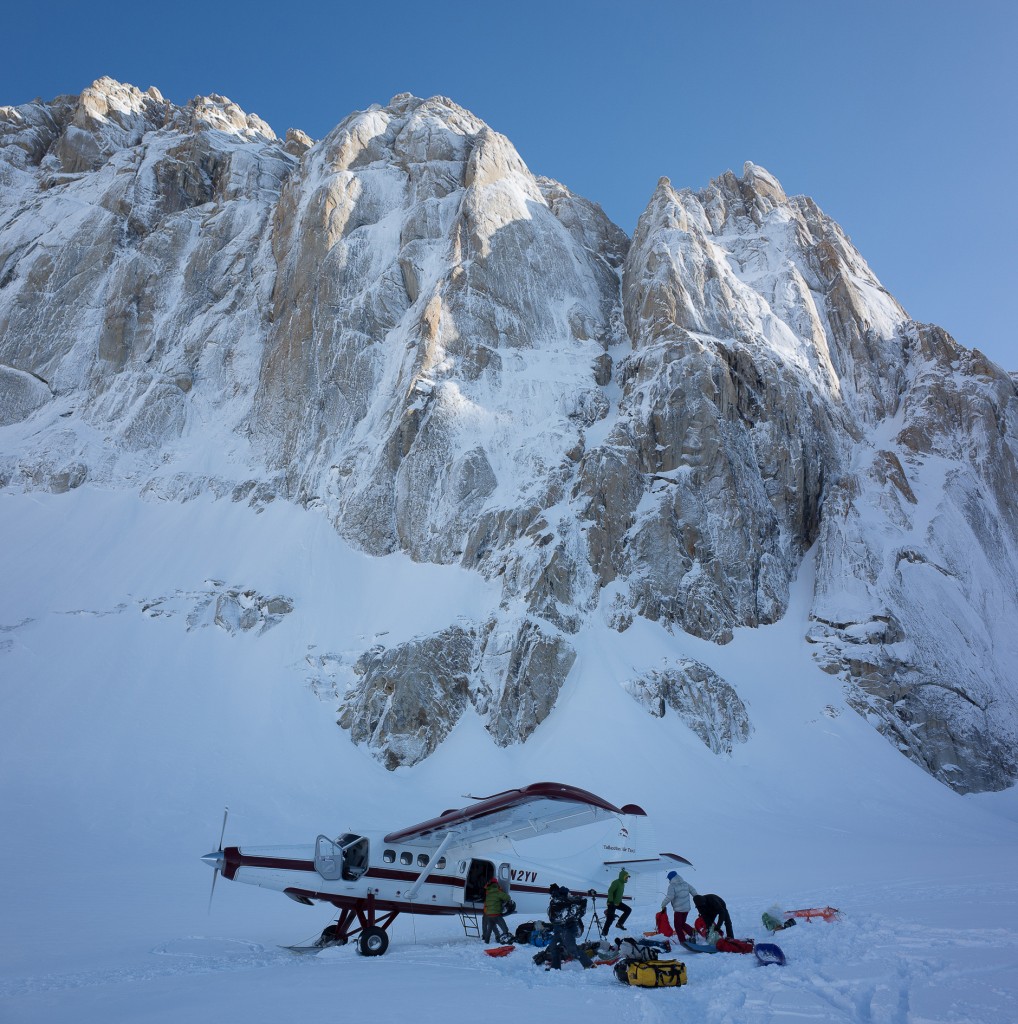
{"x": 615, "y": 905}
{"x": 678, "y": 894}
{"x": 565, "y": 912}
{"x": 713, "y": 908}
{"x": 495, "y": 902}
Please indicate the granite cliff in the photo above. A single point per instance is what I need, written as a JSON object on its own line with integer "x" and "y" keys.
{"x": 403, "y": 329}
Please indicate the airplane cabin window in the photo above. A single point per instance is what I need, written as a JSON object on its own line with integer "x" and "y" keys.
{"x": 440, "y": 863}
{"x": 422, "y": 860}
{"x": 406, "y": 858}
{"x": 389, "y": 856}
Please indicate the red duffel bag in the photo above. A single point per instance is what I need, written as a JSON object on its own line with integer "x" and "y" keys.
{"x": 734, "y": 945}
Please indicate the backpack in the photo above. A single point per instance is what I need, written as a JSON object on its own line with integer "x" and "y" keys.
{"x": 774, "y": 924}
{"x": 567, "y": 908}
{"x": 651, "y": 973}
{"x": 642, "y": 949}
{"x": 534, "y": 933}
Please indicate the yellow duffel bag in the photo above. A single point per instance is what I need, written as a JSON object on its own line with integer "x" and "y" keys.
{"x": 651, "y": 973}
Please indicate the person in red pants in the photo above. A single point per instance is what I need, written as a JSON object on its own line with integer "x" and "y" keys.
{"x": 678, "y": 895}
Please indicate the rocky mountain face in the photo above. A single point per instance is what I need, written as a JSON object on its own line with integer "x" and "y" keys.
{"x": 403, "y": 329}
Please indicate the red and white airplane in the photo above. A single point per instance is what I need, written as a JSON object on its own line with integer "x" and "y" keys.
{"x": 441, "y": 866}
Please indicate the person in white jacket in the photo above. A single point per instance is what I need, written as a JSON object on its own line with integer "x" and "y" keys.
{"x": 678, "y": 895}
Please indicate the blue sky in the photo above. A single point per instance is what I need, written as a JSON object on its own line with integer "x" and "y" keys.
{"x": 898, "y": 118}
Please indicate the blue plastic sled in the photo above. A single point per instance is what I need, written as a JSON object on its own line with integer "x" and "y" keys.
{"x": 768, "y": 953}
{"x": 699, "y": 947}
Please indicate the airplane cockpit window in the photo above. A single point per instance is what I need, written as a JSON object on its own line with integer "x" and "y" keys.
{"x": 422, "y": 860}
{"x": 355, "y": 856}
{"x": 389, "y": 856}
{"x": 406, "y": 858}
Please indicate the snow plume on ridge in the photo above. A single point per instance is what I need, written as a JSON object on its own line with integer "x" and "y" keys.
{"x": 405, "y": 332}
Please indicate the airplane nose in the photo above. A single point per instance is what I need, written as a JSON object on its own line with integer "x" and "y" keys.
{"x": 215, "y": 859}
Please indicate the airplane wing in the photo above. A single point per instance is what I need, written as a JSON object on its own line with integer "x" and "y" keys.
{"x": 534, "y": 810}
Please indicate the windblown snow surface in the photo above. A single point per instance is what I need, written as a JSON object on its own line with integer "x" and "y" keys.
{"x": 129, "y": 718}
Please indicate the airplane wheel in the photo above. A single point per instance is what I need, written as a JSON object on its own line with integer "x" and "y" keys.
{"x": 373, "y": 941}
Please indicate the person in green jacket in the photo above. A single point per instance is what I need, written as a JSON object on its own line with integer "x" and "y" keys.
{"x": 495, "y": 902}
{"x": 615, "y": 905}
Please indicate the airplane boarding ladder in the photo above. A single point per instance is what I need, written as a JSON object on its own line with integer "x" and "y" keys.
{"x": 471, "y": 925}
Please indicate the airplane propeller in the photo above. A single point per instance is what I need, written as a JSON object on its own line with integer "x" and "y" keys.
{"x": 216, "y": 858}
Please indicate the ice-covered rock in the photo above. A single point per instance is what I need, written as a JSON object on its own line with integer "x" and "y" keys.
{"x": 700, "y": 697}
{"x": 408, "y": 698}
{"x": 917, "y": 573}
{"x": 232, "y": 609}
{"x": 20, "y": 394}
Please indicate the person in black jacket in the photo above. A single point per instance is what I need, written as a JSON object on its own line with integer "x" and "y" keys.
{"x": 565, "y": 911}
{"x": 713, "y": 908}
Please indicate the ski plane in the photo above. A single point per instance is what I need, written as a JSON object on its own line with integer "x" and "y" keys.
{"x": 441, "y": 866}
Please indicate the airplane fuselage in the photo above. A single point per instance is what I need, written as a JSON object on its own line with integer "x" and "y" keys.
{"x": 441, "y": 866}
{"x": 389, "y": 873}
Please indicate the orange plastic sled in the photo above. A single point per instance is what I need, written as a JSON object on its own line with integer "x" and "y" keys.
{"x": 827, "y": 913}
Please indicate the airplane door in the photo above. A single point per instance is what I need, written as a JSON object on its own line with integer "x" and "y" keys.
{"x": 505, "y": 877}
{"x": 328, "y": 859}
{"x": 479, "y": 872}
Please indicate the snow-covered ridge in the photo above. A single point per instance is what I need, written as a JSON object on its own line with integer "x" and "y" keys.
{"x": 404, "y": 330}
{"x": 74, "y": 134}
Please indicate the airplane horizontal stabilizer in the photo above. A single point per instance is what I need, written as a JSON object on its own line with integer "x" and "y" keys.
{"x": 647, "y": 865}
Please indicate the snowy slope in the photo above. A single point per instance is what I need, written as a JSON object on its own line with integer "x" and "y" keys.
{"x": 123, "y": 733}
